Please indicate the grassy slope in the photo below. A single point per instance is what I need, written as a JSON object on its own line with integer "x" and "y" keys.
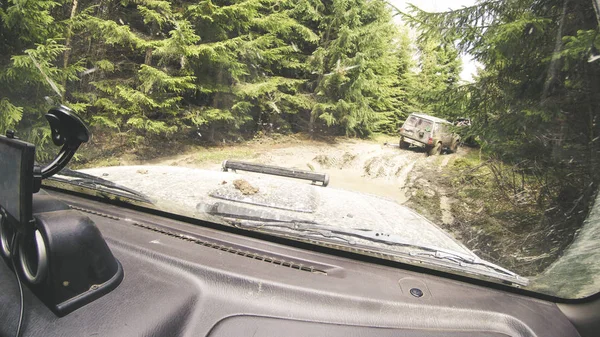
{"x": 506, "y": 225}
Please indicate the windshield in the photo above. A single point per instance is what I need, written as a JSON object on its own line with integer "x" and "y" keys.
{"x": 292, "y": 113}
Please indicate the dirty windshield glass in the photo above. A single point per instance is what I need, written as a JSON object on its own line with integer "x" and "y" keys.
{"x": 287, "y": 117}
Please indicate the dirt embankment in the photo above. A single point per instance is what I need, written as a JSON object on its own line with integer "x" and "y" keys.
{"x": 497, "y": 216}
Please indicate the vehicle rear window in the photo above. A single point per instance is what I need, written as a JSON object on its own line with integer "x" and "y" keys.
{"x": 420, "y": 123}
{"x": 424, "y": 124}
{"x": 411, "y": 121}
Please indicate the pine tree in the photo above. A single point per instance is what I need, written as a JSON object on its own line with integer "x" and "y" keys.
{"x": 137, "y": 76}
{"x": 258, "y": 62}
{"x": 537, "y": 78}
{"x": 356, "y": 66}
{"x": 404, "y": 88}
{"x": 155, "y": 68}
{"x": 30, "y": 42}
{"x": 438, "y": 76}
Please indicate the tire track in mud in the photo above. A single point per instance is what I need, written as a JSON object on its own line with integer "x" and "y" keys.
{"x": 445, "y": 207}
{"x": 445, "y": 201}
{"x": 403, "y": 178}
{"x": 360, "y": 166}
{"x": 432, "y": 197}
{"x": 444, "y": 163}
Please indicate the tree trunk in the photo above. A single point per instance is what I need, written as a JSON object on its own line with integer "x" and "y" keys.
{"x": 555, "y": 62}
{"x": 148, "y": 59}
{"x": 68, "y": 45}
{"x": 311, "y": 123}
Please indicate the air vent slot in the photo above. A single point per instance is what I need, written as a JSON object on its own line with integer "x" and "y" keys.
{"x": 89, "y": 211}
{"x": 237, "y": 251}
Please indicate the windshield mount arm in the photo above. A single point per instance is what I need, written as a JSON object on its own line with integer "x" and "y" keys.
{"x": 68, "y": 131}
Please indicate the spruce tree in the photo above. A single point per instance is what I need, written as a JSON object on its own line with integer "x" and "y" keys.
{"x": 356, "y": 66}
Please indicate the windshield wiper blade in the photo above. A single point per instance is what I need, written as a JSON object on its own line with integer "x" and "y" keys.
{"x": 91, "y": 181}
{"x": 415, "y": 250}
{"x": 429, "y": 251}
{"x": 461, "y": 260}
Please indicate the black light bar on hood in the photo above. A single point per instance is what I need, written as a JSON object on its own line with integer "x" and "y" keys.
{"x": 323, "y": 178}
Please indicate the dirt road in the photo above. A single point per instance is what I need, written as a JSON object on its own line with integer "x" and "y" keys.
{"x": 357, "y": 165}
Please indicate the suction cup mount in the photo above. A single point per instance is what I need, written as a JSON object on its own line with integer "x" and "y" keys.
{"x": 68, "y": 131}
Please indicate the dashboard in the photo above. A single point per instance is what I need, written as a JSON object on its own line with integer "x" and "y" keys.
{"x": 183, "y": 279}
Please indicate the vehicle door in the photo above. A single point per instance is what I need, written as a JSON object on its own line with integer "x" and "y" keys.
{"x": 417, "y": 128}
{"x": 409, "y": 126}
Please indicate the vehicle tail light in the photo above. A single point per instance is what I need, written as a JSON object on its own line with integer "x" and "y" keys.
{"x": 430, "y": 141}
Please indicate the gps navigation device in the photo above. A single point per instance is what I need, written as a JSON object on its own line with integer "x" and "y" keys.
{"x": 16, "y": 181}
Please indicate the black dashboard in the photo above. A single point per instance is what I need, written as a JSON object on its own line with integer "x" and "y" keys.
{"x": 188, "y": 280}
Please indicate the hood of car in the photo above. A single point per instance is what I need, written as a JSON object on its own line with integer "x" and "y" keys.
{"x": 196, "y": 192}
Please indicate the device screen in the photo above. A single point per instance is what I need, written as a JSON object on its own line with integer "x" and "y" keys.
{"x": 16, "y": 179}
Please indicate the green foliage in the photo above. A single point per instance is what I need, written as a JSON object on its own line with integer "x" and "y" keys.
{"x": 403, "y": 92}
{"x": 538, "y": 92}
{"x": 11, "y": 114}
{"x": 438, "y": 78}
{"x": 356, "y": 63}
{"x": 535, "y": 102}
{"x": 156, "y": 67}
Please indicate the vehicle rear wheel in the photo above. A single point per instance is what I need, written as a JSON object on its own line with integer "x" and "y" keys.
{"x": 436, "y": 150}
{"x": 403, "y": 145}
{"x": 454, "y": 146}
